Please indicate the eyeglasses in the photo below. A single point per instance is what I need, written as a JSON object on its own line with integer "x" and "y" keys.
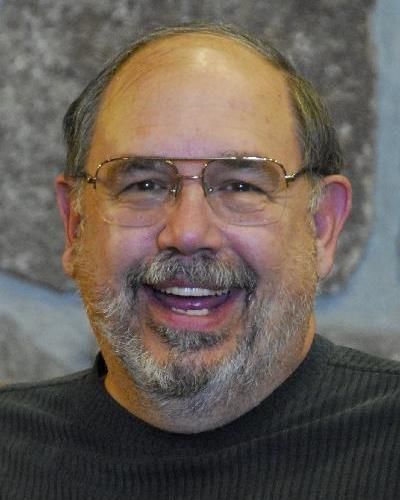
{"x": 141, "y": 191}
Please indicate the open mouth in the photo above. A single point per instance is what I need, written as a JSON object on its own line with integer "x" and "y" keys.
{"x": 191, "y": 300}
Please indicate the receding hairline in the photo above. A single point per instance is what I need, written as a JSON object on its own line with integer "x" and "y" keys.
{"x": 226, "y": 33}
{"x": 156, "y": 44}
{"x": 321, "y": 150}
{"x": 146, "y": 58}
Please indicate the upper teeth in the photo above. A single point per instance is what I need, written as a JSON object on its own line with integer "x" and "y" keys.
{"x": 192, "y": 292}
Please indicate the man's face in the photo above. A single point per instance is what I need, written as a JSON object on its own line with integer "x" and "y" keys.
{"x": 238, "y": 298}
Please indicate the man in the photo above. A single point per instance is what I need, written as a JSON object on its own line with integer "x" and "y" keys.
{"x": 202, "y": 203}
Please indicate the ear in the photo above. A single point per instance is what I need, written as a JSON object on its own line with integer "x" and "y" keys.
{"x": 70, "y": 218}
{"x": 333, "y": 209}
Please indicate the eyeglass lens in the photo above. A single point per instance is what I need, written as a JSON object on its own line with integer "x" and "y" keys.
{"x": 141, "y": 191}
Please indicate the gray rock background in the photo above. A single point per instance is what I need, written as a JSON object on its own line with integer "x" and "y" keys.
{"x": 49, "y": 49}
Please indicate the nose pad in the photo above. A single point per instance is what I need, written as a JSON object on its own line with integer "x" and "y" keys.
{"x": 187, "y": 197}
{"x": 190, "y": 222}
{"x": 176, "y": 191}
{"x": 181, "y": 178}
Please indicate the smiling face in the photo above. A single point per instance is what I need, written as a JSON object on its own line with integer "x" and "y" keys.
{"x": 193, "y": 309}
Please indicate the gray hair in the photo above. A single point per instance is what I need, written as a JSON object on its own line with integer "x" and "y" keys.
{"x": 317, "y": 136}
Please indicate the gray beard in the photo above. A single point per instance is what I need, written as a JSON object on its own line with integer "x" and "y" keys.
{"x": 274, "y": 334}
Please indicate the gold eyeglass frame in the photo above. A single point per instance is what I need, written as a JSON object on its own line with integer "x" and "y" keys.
{"x": 92, "y": 179}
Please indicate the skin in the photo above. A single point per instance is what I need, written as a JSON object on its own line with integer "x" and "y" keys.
{"x": 200, "y": 97}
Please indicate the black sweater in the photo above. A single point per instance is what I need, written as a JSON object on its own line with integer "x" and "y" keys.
{"x": 331, "y": 431}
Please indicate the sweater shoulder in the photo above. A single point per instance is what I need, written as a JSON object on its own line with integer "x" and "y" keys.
{"x": 356, "y": 361}
{"x": 64, "y": 380}
{"x": 44, "y": 394}
{"x": 353, "y": 378}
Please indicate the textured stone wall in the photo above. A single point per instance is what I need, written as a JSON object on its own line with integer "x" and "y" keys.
{"x": 50, "y": 49}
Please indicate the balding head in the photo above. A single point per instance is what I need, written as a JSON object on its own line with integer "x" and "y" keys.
{"x": 196, "y": 95}
{"x": 317, "y": 137}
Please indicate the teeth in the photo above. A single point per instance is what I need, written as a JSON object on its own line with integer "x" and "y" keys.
{"x": 192, "y": 292}
{"x": 191, "y": 312}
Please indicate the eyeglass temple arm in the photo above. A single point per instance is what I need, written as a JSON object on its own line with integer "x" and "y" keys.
{"x": 90, "y": 179}
{"x": 292, "y": 177}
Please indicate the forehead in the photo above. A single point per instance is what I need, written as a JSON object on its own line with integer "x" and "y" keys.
{"x": 196, "y": 95}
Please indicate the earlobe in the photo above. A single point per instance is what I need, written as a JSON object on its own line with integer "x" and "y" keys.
{"x": 333, "y": 209}
{"x": 71, "y": 219}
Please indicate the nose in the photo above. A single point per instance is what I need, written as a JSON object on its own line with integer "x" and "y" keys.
{"x": 191, "y": 225}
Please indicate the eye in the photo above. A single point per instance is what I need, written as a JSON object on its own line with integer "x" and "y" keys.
{"x": 237, "y": 186}
{"x": 147, "y": 185}
{"x": 138, "y": 190}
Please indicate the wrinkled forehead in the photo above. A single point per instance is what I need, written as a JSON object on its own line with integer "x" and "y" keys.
{"x": 197, "y": 54}
{"x": 196, "y": 90}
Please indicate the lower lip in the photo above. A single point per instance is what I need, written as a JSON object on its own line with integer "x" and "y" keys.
{"x": 200, "y": 317}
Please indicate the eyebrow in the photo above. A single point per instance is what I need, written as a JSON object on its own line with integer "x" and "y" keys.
{"x": 240, "y": 154}
{"x": 223, "y": 154}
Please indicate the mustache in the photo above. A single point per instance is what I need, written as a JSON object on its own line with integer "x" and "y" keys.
{"x": 203, "y": 270}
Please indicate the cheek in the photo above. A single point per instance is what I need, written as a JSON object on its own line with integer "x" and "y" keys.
{"x": 117, "y": 249}
{"x": 260, "y": 247}
{"x": 276, "y": 251}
